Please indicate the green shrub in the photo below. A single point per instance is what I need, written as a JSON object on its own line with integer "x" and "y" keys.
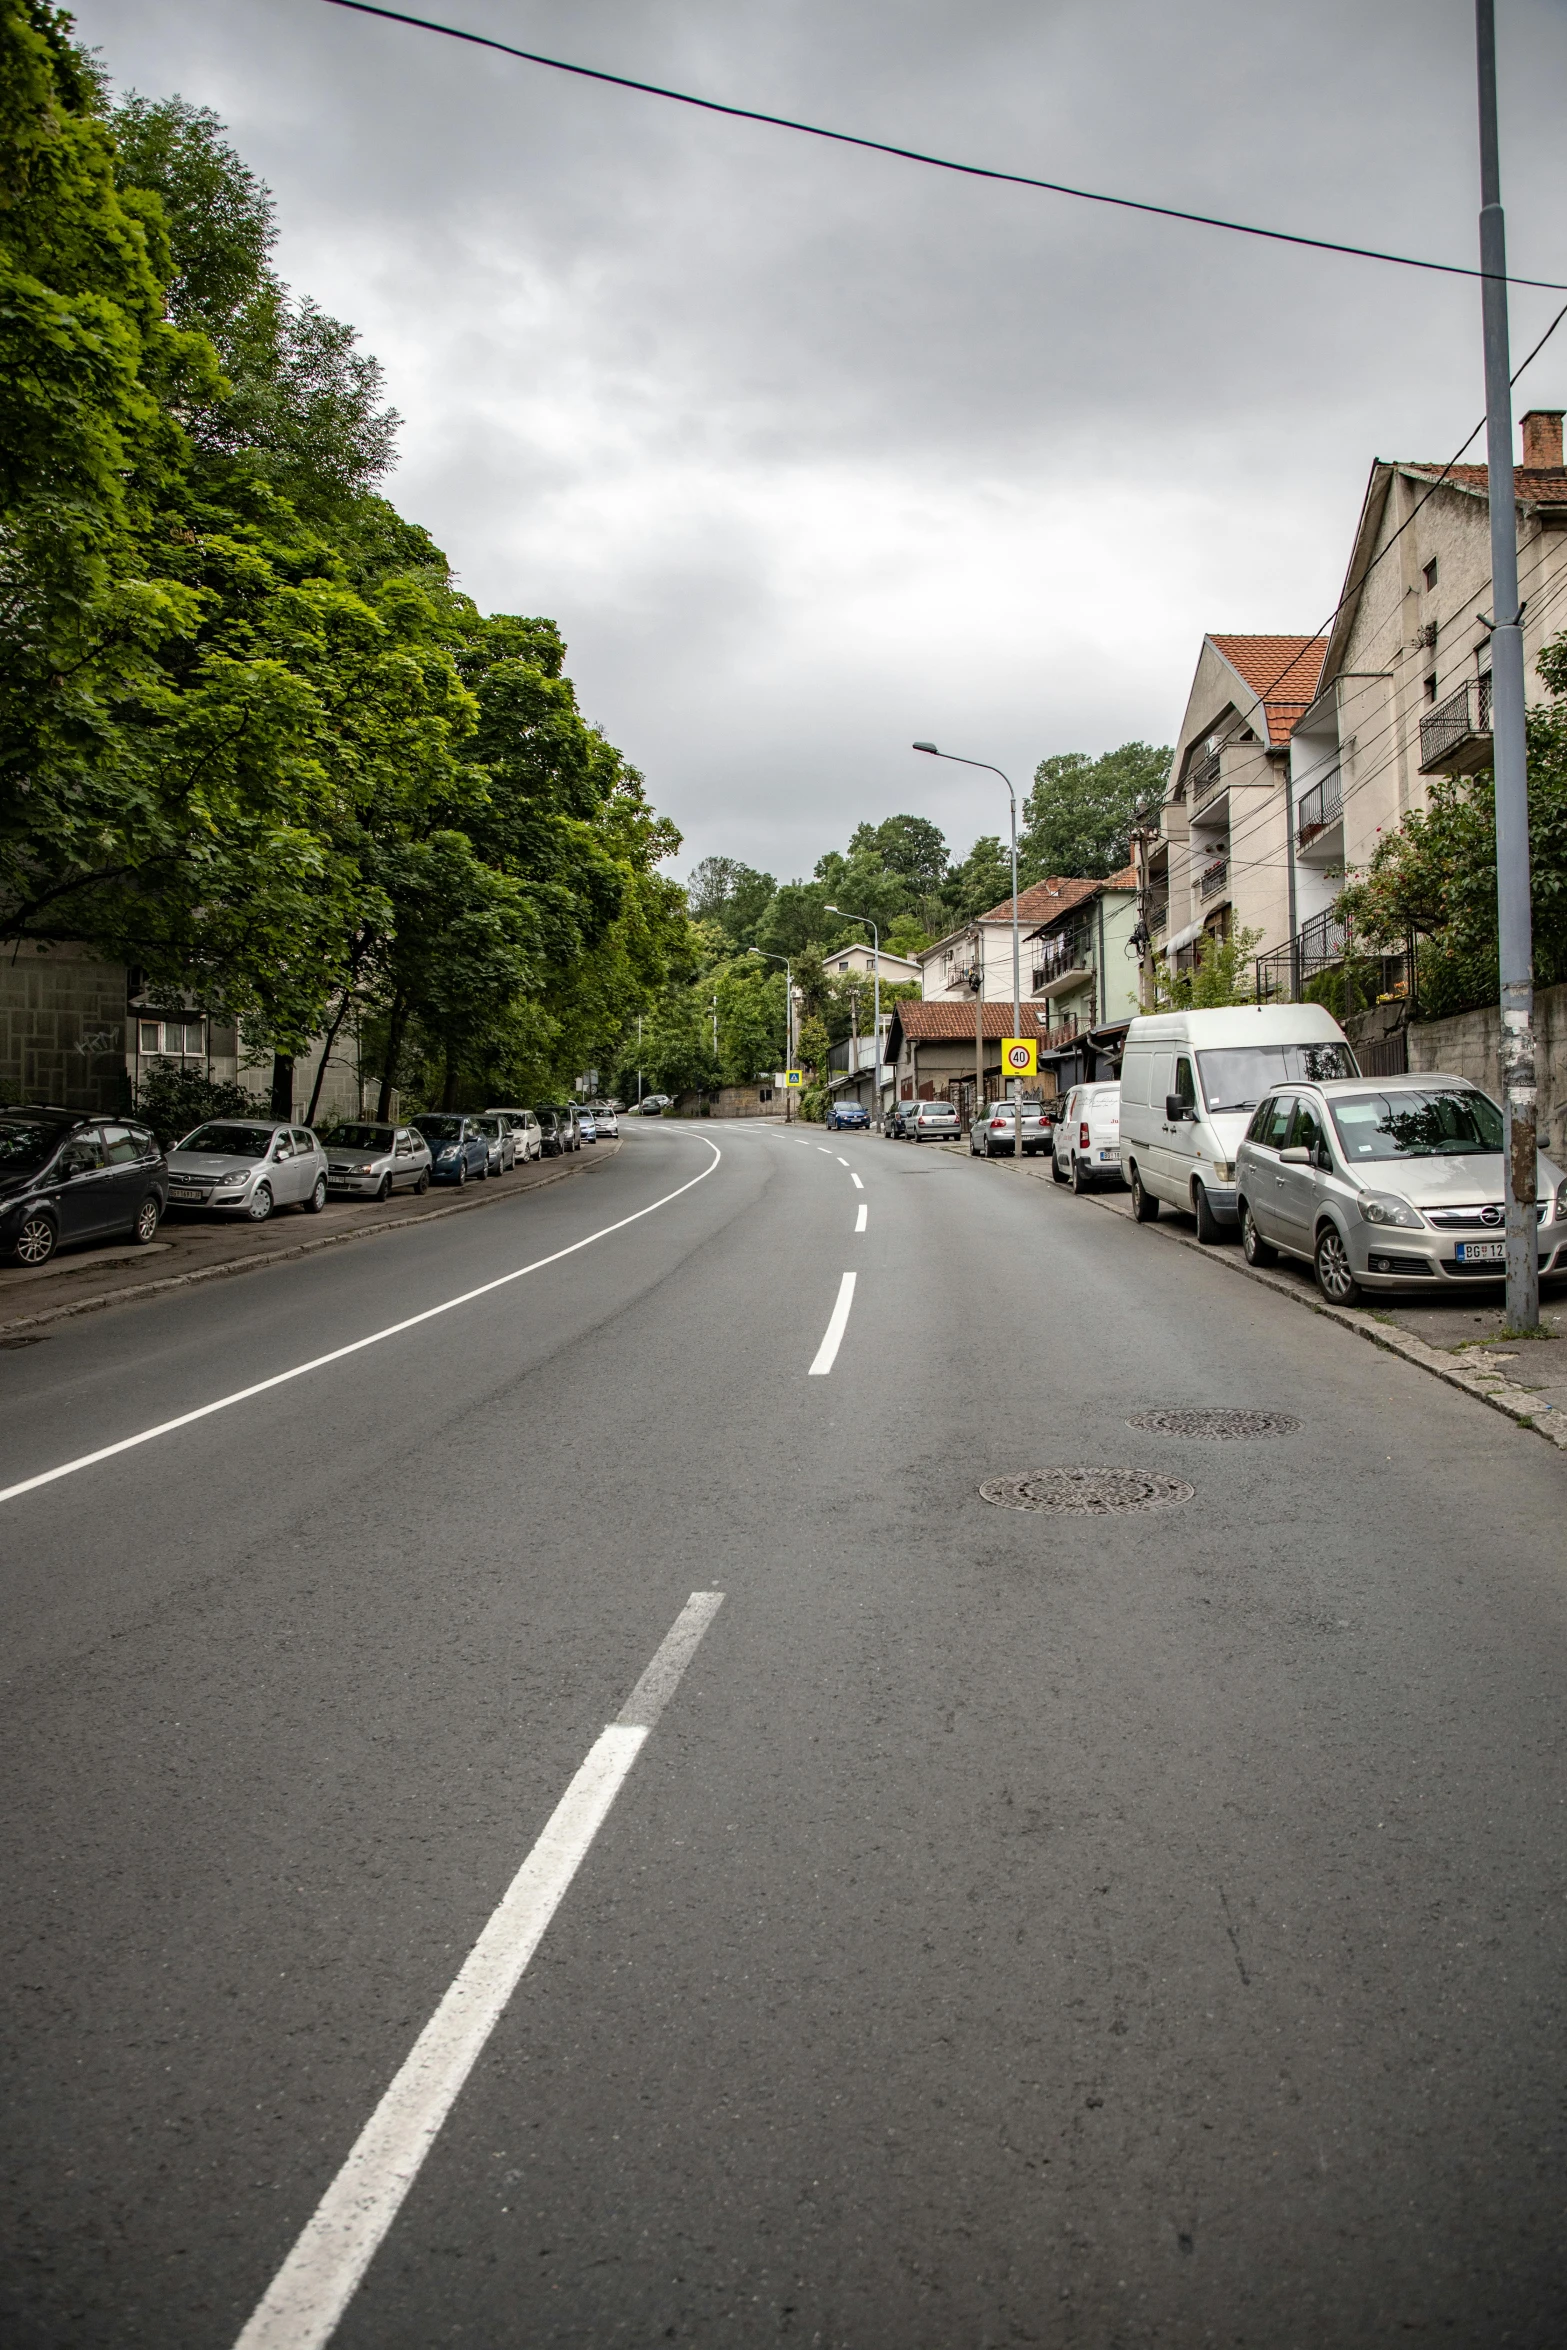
{"x": 173, "y": 1099}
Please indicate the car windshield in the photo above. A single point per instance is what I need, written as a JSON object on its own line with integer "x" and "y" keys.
{"x": 360, "y": 1138}
{"x": 1417, "y": 1126}
{"x": 229, "y": 1142}
{"x": 23, "y": 1144}
{"x": 440, "y": 1129}
{"x": 1237, "y": 1078}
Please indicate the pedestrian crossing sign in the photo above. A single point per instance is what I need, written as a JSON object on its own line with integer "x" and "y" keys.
{"x": 791, "y": 1077}
{"x": 1020, "y": 1056}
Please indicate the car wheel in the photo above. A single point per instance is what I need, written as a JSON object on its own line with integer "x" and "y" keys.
{"x": 1334, "y": 1277}
{"x": 462, "y": 1175}
{"x": 1208, "y": 1227}
{"x": 423, "y": 1184}
{"x": 260, "y": 1206}
{"x": 145, "y": 1227}
{"x": 317, "y": 1200}
{"x": 1144, "y": 1206}
{"x": 35, "y": 1241}
{"x": 1079, "y": 1179}
{"x": 384, "y": 1188}
{"x": 1055, "y": 1168}
{"x": 1253, "y": 1247}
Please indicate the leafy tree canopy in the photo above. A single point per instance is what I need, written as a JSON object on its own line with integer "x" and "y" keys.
{"x": 1079, "y": 816}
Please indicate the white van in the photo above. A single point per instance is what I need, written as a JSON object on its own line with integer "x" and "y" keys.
{"x": 1189, "y": 1084}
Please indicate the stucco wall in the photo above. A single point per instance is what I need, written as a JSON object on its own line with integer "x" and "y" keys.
{"x": 1470, "y": 1045}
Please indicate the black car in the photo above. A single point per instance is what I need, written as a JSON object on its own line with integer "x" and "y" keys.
{"x": 551, "y": 1144}
{"x": 66, "y": 1177}
{"x": 568, "y": 1134}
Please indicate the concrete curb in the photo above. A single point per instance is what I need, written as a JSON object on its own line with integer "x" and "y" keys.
{"x": 301, "y": 1248}
{"x": 1488, "y": 1387}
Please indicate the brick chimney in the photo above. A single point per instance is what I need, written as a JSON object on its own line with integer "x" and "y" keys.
{"x": 1542, "y": 439}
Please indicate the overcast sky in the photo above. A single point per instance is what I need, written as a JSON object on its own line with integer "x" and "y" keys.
{"x": 812, "y": 452}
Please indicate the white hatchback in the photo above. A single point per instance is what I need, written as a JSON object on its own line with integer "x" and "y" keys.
{"x": 1088, "y": 1137}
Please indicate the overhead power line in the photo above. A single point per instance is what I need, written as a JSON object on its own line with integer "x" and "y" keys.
{"x": 977, "y": 171}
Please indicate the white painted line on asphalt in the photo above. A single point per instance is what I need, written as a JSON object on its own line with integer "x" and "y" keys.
{"x": 842, "y": 1161}
{"x": 223, "y": 1403}
{"x": 858, "y": 1185}
{"x": 862, "y": 1218}
{"x": 827, "y": 1352}
{"x": 826, "y": 1153}
{"x": 306, "y": 2299}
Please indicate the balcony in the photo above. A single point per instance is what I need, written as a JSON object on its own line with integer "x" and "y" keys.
{"x": 1214, "y": 878}
{"x": 1321, "y": 807}
{"x": 1063, "y": 964}
{"x": 1203, "y": 781}
{"x": 1455, "y": 737}
{"x": 1158, "y": 917}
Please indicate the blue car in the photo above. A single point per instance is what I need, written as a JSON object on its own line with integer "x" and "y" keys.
{"x": 459, "y": 1147}
{"x": 845, "y": 1114}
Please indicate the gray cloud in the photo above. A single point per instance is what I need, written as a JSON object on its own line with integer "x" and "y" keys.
{"x": 811, "y": 452}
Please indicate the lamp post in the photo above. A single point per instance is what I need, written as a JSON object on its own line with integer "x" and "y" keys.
{"x": 932, "y": 752}
{"x": 876, "y": 985}
{"x": 768, "y": 957}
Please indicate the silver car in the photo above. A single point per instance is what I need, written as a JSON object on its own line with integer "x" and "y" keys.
{"x": 371, "y": 1161}
{"x": 607, "y": 1122}
{"x": 1386, "y": 1183}
{"x": 995, "y": 1130}
{"x": 248, "y": 1167}
{"x": 498, "y": 1133}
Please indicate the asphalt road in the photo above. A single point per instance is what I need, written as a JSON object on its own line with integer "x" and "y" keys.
{"x": 1017, "y": 1927}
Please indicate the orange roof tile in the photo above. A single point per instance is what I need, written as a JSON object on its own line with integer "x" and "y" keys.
{"x": 1537, "y": 484}
{"x": 1044, "y": 900}
{"x": 1283, "y": 669}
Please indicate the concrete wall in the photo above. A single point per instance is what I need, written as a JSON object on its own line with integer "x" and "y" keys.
{"x": 62, "y": 1029}
{"x": 1470, "y": 1045}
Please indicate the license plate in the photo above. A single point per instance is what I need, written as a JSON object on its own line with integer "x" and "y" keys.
{"x": 183, "y": 1191}
{"x": 1109, "y": 1154}
{"x": 1481, "y": 1252}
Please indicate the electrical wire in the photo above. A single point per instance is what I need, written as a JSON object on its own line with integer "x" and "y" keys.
{"x": 980, "y": 171}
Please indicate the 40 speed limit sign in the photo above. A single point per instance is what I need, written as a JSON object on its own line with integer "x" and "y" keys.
{"x": 1019, "y": 1056}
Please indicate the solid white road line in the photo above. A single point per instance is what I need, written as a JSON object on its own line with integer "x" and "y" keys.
{"x": 858, "y": 1185}
{"x": 862, "y": 1218}
{"x": 827, "y": 1352}
{"x": 223, "y": 1403}
{"x": 301, "y": 2308}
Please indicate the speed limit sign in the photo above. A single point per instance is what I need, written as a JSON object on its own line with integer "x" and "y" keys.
{"x": 1019, "y": 1056}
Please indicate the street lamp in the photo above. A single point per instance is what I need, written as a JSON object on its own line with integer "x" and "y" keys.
{"x": 768, "y": 957}
{"x": 1017, "y": 960}
{"x": 876, "y": 982}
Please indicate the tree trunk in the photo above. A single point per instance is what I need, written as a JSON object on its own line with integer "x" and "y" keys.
{"x": 449, "y": 1087}
{"x": 327, "y": 1042}
{"x": 394, "y": 1046}
{"x": 283, "y": 1085}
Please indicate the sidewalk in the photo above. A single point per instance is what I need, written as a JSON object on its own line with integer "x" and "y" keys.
{"x": 189, "y": 1248}
{"x": 1462, "y": 1341}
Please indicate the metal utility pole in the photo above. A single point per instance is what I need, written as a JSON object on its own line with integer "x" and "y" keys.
{"x": 1017, "y": 958}
{"x": 639, "y": 1060}
{"x": 788, "y": 1018}
{"x": 876, "y": 982}
{"x": 979, "y": 1021}
{"x": 1514, "y": 926}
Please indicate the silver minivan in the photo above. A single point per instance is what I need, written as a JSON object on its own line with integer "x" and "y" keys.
{"x": 1386, "y": 1183}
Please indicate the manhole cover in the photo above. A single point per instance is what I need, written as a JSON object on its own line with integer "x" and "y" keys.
{"x": 1213, "y": 1426}
{"x": 1095, "y": 1490}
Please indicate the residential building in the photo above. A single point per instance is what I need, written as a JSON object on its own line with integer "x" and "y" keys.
{"x": 1404, "y": 693}
{"x": 1221, "y": 860}
{"x": 935, "y": 1046}
{"x": 947, "y": 969}
{"x": 851, "y": 1070}
{"x": 1083, "y": 963}
{"x": 859, "y": 961}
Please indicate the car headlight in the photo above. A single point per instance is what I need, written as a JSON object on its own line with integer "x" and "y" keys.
{"x": 1560, "y": 1210}
{"x": 452, "y": 1150}
{"x": 1385, "y": 1207}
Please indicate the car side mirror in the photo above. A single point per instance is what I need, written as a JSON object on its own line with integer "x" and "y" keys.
{"x": 1296, "y": 1156}
{"x": 1175, "y": 1109}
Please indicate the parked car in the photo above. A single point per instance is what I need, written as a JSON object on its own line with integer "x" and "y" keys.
{"x": 1190, "y": 1082}
{"x": 248, "y": 1167}
{"x": 932, "y": 1122}
{"x": 503, "y": 1143}
{"x": 995, "y": 1131}
{"x": 371, "y": 1161}
{"x": 459, "y": 1146}
{"x": 844, "y": 1117}
{"x": 570, "y": 1125}
{"x": 1386, "y": 1183}
{"x": 587, "y": 1126}
{"x": 1086, "y": 1148}
{"x": 650, "y": 1107}
{"x": 526, "y": 1133}
{"x": 897, "y": 1116}
{"x": 551, "y": 1140}
{"x": 608, "y": 1124}
{"x": 65, "y": 1177}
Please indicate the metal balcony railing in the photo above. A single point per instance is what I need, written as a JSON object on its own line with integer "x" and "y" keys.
{"x": 1455, "y": 737}
{"x": 1214, "y": 878}
{"x": 1321, "y": 806}
{"x": 1203, "y": 780}
{"x": 1159, "y": 915}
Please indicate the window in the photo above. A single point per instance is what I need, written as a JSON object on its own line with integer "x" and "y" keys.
{"x": 1306, "y": 1133}
{"x": 124, "y": 1148}
{"x": 173, "y": 1039}
{"x": 1278, "y": 1121}
{"x": 1414, "y": 1125}
{"x": 1185, "y": 1083}
{"x": 1431, "y": 686}
{"x": 81, "y": 1155}
{"x": 1430, "y": 574}
{"x": 1238, "y": 1077}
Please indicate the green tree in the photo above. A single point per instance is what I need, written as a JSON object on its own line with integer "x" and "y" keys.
{"x": 1223, "y": 974}
{"x": 983, "y": 880}
{"x": 1078, "y": 818}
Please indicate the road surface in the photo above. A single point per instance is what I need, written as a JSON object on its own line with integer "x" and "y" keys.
{"x": 988, "y": 1926}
